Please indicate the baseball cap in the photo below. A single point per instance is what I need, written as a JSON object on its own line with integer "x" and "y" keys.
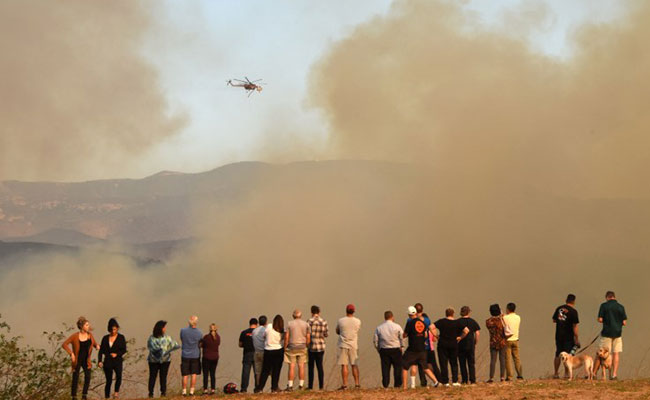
{"x": 412, "y": 310}
{"x": 349, "y": 308}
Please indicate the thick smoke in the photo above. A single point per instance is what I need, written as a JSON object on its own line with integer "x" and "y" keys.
{"x": 78, "y": 99}
{"x": 523, "y": 179}
{"x": 428, "y": 83}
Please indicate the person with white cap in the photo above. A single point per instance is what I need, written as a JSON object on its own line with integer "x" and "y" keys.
{"x": 416, "y": 354}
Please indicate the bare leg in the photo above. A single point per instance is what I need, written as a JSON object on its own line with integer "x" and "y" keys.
{"x": 301, "y": 371}
{"x": 405, "y": 378}
{"x": 616, "y": 357}
{"x": 193, "y": 382}
{"x": 355, "y": 373}
{"x": 431, "y": 375}
{"x": 185, "y": 382}
{"x": 556, "y": 364}
{"x": 292, "y": 371}
{"x": 344, "y": 374}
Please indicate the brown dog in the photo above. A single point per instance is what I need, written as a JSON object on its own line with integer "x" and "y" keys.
{"x": 573, "y": 362}
{"x": 604, "y": 361}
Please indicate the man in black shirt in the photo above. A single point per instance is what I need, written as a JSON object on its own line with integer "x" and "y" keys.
{"x": 416, "y": 354}
{"x": 467, "y": 346}
{"x": 246, "y": 343}
{"x": 451, "y": 332}
{"x": 566, "y": 322}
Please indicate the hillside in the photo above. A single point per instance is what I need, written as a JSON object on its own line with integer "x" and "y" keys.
{"x": 153, "y": 209}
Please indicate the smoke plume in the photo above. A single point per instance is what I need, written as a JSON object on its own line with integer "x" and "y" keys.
{"x": 511, "y": 176}
{"x": 78, "y": 99}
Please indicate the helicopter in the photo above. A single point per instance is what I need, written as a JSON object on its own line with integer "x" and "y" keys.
{"x": 248, "y": 85}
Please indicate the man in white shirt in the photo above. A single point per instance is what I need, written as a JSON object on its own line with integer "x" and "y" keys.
{"x": 389, "y": 342}
{"x": 348, "y": 330}
{"x": 512, "y": 321}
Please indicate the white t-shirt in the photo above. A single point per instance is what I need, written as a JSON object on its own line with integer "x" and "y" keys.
{"x": 272, "y": 339}
{"x": 513, "y": 321}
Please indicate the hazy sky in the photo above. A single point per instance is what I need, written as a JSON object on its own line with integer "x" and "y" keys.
{"x": 198, "y": 45}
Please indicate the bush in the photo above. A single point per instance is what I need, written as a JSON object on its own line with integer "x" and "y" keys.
{"x": 28, "y": 373}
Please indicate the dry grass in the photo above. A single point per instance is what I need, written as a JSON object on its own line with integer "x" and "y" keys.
{"x": 529, "y": 390}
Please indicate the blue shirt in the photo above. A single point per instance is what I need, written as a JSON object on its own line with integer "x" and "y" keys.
{"x": 190, "y": 338}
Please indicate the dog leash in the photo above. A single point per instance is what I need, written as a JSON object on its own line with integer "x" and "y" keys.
{"x": 589, "y": 345}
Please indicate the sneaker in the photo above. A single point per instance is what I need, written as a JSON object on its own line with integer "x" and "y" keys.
{"x": 447, "y": 385}
{"x": 455, "y": 384}
{"x": 342, "y": 388}
{"x": 300, "y": 387}
{"x": 288, "y": 389}
{"x": 435, "y": 385}
{"x": 520, "y": 378}
{"x": 489, "y": 381}
{"x": 357, "y": 386}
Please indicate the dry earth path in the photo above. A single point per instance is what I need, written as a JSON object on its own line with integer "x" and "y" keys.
{"x": 529, "y": 390}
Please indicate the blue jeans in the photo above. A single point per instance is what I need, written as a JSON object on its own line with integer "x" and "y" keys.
{"x": 248, "y": 362}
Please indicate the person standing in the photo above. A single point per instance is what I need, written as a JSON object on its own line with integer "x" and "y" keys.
{"x": 566, "y": 323}
{"x": 430, "y": 345}
{"x": 389, "y": 342}
{"x": 319, "y": 331}
{"x": 112, "y": 349}
{"x": 258, "y": 345}
{"x": 467, "y": 346}
{"x": 248, "y": 359}
{"x": 82, "y": 343}
{"x": 451, "y": 332}
{"x": 512, "y": 322}
{"x": 210, "y": 345}
{"x": 348, "y": 330}
{"x": 495, "y": 327}
{"x": 431, "y": 354}
{"x": 296, "y": 340}
{"x": 613, "y": 317}
{"x": 160, "y": 346}
{"x": 417, "y": 332}
{"x": 190, "y": 354}
{"x": 273, "y": 354}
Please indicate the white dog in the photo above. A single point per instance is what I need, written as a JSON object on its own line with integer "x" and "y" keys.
{"x": 573, "y": 362}
{"x": 604, "y": 361}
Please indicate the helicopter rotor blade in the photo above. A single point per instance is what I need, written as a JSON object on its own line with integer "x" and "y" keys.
{"x": 239, "y": 80}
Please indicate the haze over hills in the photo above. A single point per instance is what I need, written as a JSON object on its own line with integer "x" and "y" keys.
{"x": 130, "y": 211}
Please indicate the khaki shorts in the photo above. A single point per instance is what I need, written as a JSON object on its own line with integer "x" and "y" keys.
{"x": 292, "y": 356}
{"x": 347, "y": 356}
{"x": 614, "y": 345}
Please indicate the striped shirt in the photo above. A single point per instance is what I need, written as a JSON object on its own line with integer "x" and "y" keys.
{"x": 319, "y": 332}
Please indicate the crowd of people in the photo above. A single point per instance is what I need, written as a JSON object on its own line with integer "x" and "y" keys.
{"x": 409, "y": 351}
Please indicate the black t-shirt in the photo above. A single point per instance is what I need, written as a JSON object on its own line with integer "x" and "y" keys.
{"x": 565, "y": 317}
{"x": 468, "y": 342}
{"x": 416, "y": 331}
{"x": 449, "y": 329}
{"x": 246, "y": 338}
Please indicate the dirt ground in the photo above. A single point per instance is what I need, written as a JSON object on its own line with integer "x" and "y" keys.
{"x": 528, "y": 390}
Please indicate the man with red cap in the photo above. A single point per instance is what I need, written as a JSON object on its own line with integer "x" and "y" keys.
{"x": 348, "y": 330}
